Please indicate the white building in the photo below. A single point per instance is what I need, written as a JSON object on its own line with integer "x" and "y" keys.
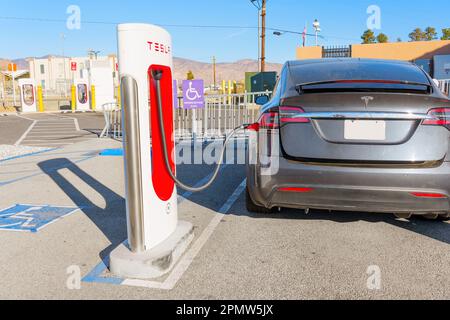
{"x": 56, "y": 74}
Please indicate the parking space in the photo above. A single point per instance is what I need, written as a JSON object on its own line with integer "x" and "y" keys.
{"x": 49, "y": 130}
{"x": 235, "y": 254}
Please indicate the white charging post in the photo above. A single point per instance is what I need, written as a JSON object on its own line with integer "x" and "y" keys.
{"x": 82, "y": 95}
{"x": 156, "y": 239}
{"x": 27, "y": 95}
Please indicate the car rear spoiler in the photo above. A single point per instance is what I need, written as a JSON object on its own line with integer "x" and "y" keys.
{"x": 300, "y": 87}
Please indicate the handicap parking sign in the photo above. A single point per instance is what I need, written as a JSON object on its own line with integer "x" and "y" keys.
{"x": 29, "y": 218}
{"x": 193, "y": 94}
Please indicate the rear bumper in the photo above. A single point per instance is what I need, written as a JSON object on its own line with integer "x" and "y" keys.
{"x": 378, "y": 190}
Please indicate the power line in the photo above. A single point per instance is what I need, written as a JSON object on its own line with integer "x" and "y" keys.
{"x": 50, "y": 20}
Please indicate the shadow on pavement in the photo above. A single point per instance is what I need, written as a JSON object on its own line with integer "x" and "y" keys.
{"x": 437, "y": 230}
{"x": 110, "y": 220}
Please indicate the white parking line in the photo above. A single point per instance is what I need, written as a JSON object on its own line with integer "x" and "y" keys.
{"x": 47, "y": 130}
{"x": 18, "y": 142}
{"x": 189, "y": 257}
{"x": 23, "y": 117}
{"x": 48, "y": 144}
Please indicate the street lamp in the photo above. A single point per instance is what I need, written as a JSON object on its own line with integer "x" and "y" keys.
{"x": 93, "y": 53}
{"x": 63, "y": 38}
{"x": 317, "y": 29}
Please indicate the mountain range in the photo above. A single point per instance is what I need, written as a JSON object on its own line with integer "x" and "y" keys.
{"x": 201, "y": 70}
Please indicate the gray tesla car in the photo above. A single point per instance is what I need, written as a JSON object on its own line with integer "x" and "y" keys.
{"x": 352, "y": 135}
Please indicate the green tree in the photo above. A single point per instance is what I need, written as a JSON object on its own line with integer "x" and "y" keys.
{"x": 382, "y": 38}
{"x": 417, "y": 35}
{"x": 445, "y": 34}
{"x": 399, "y": 40}
{"x": 368, "y": 37}
{"x": 430, "y": 34}
{"x": 190, "y": 75}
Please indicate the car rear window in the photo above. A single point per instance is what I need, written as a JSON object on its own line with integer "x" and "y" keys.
{"x": 357, "y": 70}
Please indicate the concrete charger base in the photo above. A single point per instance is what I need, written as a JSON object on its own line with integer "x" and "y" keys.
{"x": 153, "y": 263}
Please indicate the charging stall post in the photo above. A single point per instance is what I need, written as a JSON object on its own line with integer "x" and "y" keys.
{"x": 156, "y": 238}
{"x": 82, "y": 100}
{"x": 27, "y": 95}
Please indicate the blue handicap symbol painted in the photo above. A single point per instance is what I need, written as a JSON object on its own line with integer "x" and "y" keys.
{"x": 31, "y": 218}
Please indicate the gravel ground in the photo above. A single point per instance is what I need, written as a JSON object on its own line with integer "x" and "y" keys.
{"x": 7, "y": 151}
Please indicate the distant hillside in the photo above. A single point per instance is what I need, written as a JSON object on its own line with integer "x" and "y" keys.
{"x": 201, "y": 70}
{"x": 224, "y": 71}
{"x": 21, "y": 63}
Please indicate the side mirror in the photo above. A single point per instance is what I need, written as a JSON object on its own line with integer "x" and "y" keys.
{"x": 262, "y": 100}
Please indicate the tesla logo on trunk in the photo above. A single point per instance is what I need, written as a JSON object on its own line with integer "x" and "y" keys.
{"x": 367, "y": 100}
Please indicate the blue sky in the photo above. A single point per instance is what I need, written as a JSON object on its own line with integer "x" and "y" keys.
{"x": 342, "y": 23}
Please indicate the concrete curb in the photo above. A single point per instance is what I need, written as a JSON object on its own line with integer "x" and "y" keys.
{"x": 155, "y": 262}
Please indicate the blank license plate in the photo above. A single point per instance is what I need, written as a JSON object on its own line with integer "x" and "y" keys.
{"x": 365, "y": 130}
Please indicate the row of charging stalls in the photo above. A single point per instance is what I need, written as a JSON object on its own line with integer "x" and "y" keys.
{"x": 28, "y": 95}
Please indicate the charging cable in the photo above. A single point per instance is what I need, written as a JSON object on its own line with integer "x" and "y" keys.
{"x": 157, "y": 76}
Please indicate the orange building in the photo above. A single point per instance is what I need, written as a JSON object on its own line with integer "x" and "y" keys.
{"x": 424, "y": 52}
{"x": 409, "y": 51}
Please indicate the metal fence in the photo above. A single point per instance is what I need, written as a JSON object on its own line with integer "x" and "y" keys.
{"x": 444, "y": 85}
{"x": 222, "y": 113}
{"x": 113, "y": 121}
{"x": 337, "y": 52}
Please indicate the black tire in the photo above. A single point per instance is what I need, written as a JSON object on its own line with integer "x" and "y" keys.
{"x": 252, "y": 207}
{"x": 430, "y": 216}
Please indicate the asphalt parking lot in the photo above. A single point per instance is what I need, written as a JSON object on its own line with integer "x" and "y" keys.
{"x": 235, "y": 254}
{"x": 50, "y": 130}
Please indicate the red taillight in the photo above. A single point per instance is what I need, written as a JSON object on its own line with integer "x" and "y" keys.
{"x": 428, "y": 195}
{"x": 292, "y": 115}
{"x": 269, "y": 120}
{"x": 298, "y": 190}
{"x": 273, "y": 118}
{"x": 441, "y": 117}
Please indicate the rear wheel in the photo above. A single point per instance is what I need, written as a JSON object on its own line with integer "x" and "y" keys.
{"x": 430, "y": 216}
{"x": 252, "y": 207}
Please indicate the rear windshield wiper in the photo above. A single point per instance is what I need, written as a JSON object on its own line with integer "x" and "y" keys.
{"x": 300, "y": 87}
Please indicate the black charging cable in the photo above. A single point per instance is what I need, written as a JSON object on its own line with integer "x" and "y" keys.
{"x": 157, "y": 76}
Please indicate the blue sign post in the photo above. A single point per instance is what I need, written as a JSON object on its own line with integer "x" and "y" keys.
{"x": 193, "y": 94}
{"x": 175, "y": 94}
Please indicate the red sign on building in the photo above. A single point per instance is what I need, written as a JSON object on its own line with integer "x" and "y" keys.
{"x": 73, "y": 66}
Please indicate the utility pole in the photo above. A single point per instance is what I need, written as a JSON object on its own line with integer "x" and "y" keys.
{"x": 263, "y": 36}
{"x": 214, "y": 72}
{"x": 259, "y": 36}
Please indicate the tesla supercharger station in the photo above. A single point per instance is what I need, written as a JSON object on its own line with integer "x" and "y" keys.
{"x": 82, "y": 95}
{"x": 155, "y": 236}
{"x": 27, "y": 95}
